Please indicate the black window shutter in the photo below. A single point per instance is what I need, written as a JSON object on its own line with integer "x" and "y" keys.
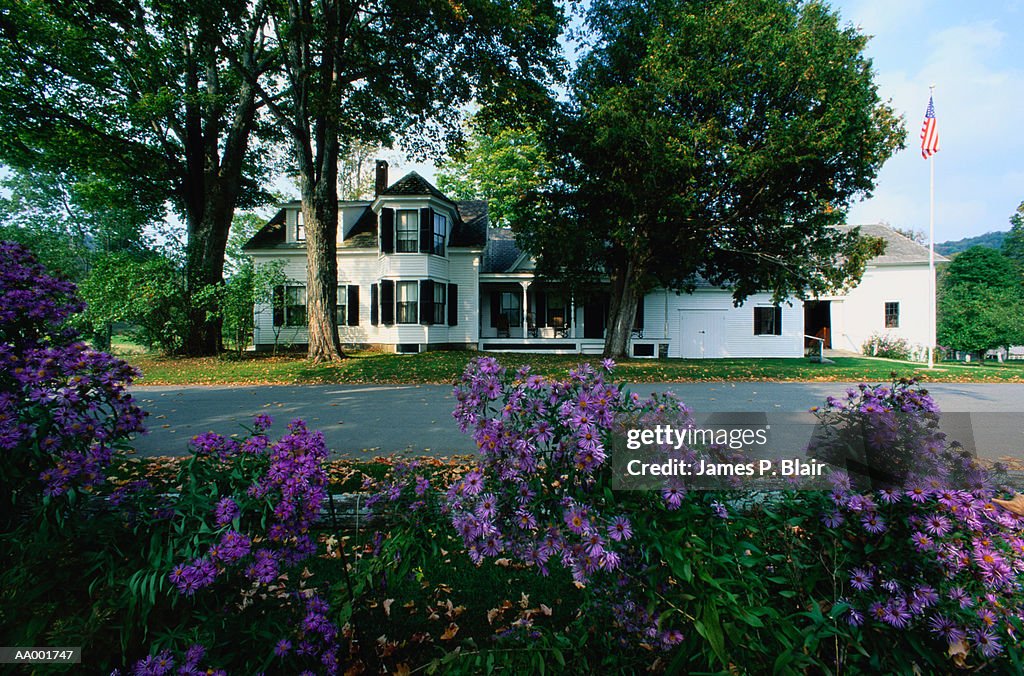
{"x": 278, "y": 306}
{"x": 778, "y": 320}
{"x": 453, "y": 305}
{"x": 374, "y": 305}
{"x": 638, "y": 323}
{"x": 541, "y": 302}
{"x": 387, "y": 230}
{"x": 353, "y": 305}
{"x": 387, "y": 302}
{"x": 426, "y": 301}
{"x": 426, "y": 230}
{"x": 495, "y": 307}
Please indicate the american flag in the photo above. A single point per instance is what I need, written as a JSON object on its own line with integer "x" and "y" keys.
{"x": 929, "y": 132}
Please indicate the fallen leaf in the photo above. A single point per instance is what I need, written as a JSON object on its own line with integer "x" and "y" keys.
{"x": 1014, "y": 504}
{"x": 450, "y": 632}
{"x": 387, "y": 606}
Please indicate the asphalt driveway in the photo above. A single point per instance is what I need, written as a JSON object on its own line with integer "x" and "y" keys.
{"x": 366, "y": 420}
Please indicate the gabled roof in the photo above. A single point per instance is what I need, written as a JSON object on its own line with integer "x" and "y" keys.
{"x": 468, "y": 230}
{"x": 414, "y": 184}
{"x": 899, "y": 250}
{"x": 501, "y": 251}
{"x": 269, "y": 235}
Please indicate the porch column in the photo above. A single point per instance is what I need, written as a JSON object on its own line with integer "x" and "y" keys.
{"x": 525, "y": 286}
{"x": 572, "y": 316}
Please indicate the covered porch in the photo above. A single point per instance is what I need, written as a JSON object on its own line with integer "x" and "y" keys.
{"x": 520, "y": 313}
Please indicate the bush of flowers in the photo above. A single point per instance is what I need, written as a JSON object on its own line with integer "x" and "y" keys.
{"x": 229, "y": 558}
{"x": 934, "y": 556}
{"x": 898, "y": 577}
{"x": 888, "y": 347}
{"x": 64, "y": 408}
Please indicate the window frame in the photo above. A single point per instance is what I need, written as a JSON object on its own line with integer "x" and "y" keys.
{"x": 891, "y": 320}
{"x": 439, "y": 234}
{"x": 341, "y": 310}
{"x": 409, "y": 308}
{"x": 772, "y": 321}
{"x": 513, "y": 314}
{"x": 440, "y": 303}
{"x": 406, "y": 235}
{"x": 289, "y": 306}
{"x": 300, "y": 227}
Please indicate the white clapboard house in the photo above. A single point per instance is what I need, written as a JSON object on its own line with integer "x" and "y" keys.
{"x": 419, "y": 271}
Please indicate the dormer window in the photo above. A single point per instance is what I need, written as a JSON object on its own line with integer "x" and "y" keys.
{"x": 407, "y": 229}
{"x": 300, "y": 227}
{"x": 440, "y": 229}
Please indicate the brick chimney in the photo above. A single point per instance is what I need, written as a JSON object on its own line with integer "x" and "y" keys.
{"x": 381, "y": 181}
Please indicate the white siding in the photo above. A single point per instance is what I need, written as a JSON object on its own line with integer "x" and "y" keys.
{"x": 714, "y": 311}
{"x": 861, "y": 312}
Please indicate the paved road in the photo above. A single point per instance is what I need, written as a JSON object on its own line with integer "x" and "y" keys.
{"x": 362, "y": 420}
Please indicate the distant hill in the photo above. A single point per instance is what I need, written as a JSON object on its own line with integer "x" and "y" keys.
{"x": 989, "y": 239}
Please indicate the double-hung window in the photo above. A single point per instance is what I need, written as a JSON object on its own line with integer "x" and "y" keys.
{"x": 342, "y": 316}
{"x": 289, "y": 306}
{"x": 300, "y": 227}
{"x": 406, "y": 306}
{"x": 892, "y": 315}
{"x": 440, "y": 313}
{"x": 510, "y": 308}
{"x": 407, "y": 231}
{"x": 440, "y": 228}
{"x": 768, "y": 321}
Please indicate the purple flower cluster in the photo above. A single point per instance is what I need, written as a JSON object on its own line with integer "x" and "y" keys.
{"x": 961, "y": 575}
{"x": 291, "y": 485}
{"x": 162, "y": 664}
{"x": 538, "y": 492}
{"x": 64, "y": 408}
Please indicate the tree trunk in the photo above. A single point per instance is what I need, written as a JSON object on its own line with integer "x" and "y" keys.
{"x": 320, "y": 211}
{"x": 621, "y": 310}
{"x": 204, "y": 267}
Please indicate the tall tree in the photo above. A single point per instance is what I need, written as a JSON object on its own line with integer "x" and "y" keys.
{"x": 1013, "y": 245}
{"x": 141, "y": 93}
{"x": 716, "y": 140}
{"x": 368, "y": 70}
{"x": 501, "y": 165}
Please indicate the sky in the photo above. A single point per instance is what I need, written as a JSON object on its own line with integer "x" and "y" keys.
{"x": 972, "y": 52}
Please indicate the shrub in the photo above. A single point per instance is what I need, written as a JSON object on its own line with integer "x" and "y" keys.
{"x": 887, "y": 347}
{"x": 877, "y": 579}
{"x": 64, "y": 408}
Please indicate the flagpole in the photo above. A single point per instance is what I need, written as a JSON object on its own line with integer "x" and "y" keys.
{"x": 931, "y": 264}
{"x": 931, "y": 253}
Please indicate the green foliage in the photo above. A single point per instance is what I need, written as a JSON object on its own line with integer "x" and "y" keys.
{"x": 1013, "y": 244}
{"x": 500, "y": 165}
{"x": 713, "y": 139}
{"x": 980, "y": 302}
{"x": 147, "y": 292}
{"x": 976, "y": 317}
{"x": 983, "y": 266}
{"x": 249, "y": 288}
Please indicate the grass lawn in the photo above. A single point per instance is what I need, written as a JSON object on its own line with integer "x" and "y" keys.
{"x": 445, "y": 367}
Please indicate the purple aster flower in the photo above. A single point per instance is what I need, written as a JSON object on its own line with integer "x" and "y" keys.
{"x": 873, "y": 523}
{"x": 987, "y": 642}
{"x": 719, "y": 510}
{"x": 225, "y": 511}
{"x": 620, "y": 529}
{"x": 282, "y": 647}
{"x": 861, "y": 579}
